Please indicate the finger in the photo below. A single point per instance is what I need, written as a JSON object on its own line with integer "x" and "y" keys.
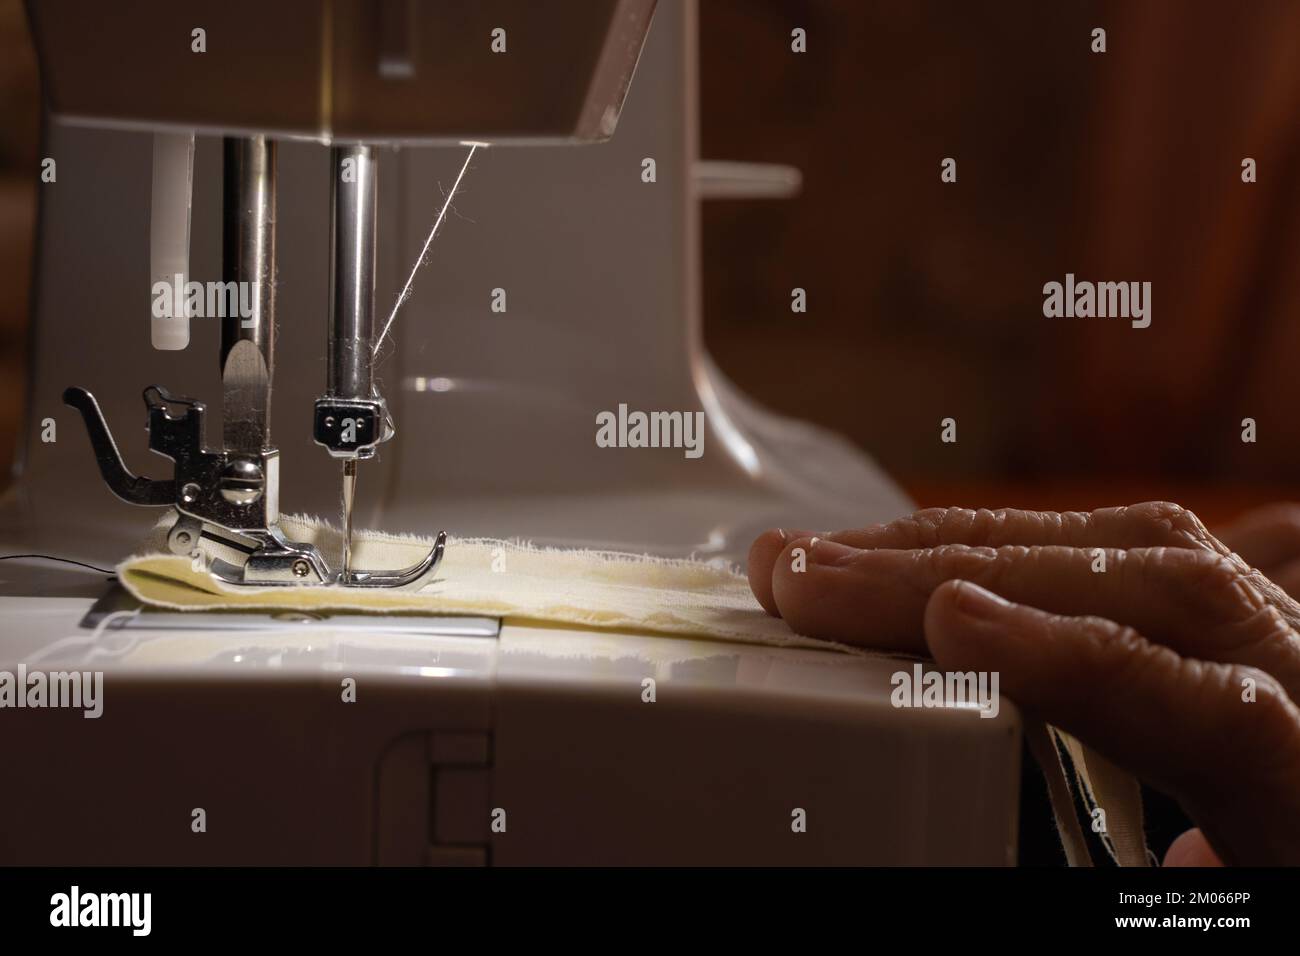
{"x": 1151, "y": 524}
{"x": 1180, "y": 723}
{"x": 1148, "y": 525}
{"x": 1191, "y": 849}
{"x": 762, "y": 556}
{"x": 1197, "y": 602}
{"x": 1266, "y": 538}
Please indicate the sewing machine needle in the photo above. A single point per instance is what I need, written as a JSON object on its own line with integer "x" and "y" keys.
{"x": 349, "y": 495}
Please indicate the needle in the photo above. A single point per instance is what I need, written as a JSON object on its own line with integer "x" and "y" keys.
{"x": 349, "y": 495}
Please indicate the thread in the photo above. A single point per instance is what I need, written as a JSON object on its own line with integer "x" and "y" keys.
{"x": 437, "y": 223}
{"x": 52, "y": 557}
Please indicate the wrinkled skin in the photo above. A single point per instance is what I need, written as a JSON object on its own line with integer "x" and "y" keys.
{"x": 1147, "y": 662}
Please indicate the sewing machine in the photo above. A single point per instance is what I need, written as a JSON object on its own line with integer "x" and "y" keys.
{"x": 301, "y": 154}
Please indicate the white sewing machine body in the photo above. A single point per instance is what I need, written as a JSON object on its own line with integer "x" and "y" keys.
{"x": 245, "y": 716}
{"x": 544, "y": 731}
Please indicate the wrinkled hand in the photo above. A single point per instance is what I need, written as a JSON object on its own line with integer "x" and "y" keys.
{"x": 1178, "y": 661}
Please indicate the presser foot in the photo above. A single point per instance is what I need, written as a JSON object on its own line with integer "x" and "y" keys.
{"x": 412, "y": 578}
{"x": 271, "y": 560}
{"x": 230, "y": 498}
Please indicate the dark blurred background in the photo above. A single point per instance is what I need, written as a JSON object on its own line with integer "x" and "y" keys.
{"x": 925, "y": 299}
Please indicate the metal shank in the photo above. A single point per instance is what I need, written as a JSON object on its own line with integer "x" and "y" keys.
{"x": 248, "y": 272}
{"x": 352, "y": 260}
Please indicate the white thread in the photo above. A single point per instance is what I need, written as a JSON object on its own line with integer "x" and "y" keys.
{"x": 406, "y": 289}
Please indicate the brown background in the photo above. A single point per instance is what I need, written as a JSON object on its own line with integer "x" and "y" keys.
{"x": 925, "y": 299}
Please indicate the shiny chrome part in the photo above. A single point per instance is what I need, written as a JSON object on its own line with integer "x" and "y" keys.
{"x": 227, "y": 498}
{"x": 132, "y": 488}
{"x": 176, "y": 432}
{"x": 282, "y": 562}
{"x": 248, "y": 261}
{"x": 242, "y": 481}
{"x": 352, "y": 258}
{"x": 184, "y": 535}
{"x": 349, "y": 499}
{"x": 278, "y": 561}
{"x": 411, "y": 579}
{"x": 351, "y": 428}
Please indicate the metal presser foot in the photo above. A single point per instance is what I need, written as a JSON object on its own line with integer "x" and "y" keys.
{"x": 273, "y": 560}
{"x": 230, "y": 499}
{"x": 285, "y": 562}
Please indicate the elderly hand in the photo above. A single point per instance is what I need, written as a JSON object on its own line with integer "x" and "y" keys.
{"x": 1133, "y": 628}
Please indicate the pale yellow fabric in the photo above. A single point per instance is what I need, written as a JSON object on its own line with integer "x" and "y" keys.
{"x": 1040, "y": 739}
{"x": 492, "y": 578}
{"x": 1104, "y": 786}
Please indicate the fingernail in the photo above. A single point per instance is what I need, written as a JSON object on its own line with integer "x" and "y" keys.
{"x": 831, "y": 553}
{"x": 975, "y": 602}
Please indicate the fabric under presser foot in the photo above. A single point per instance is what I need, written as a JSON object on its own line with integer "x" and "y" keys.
{"x": 486, "y": 577}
